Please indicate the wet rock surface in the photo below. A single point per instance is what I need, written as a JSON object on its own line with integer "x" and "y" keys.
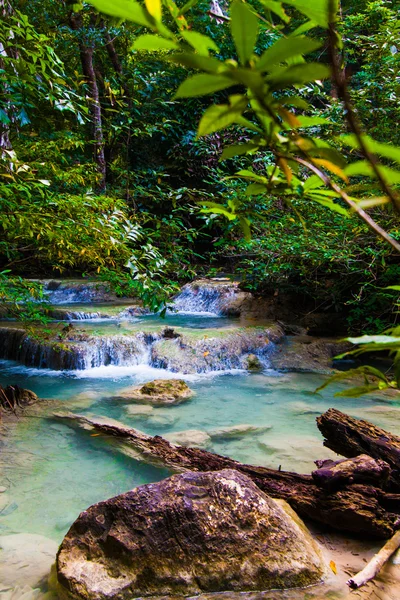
{"x": 307, "y": 354}
{"x": 188, "y": 534}
{"x": 160, "y": 392}
{"x": 217, "y": 350}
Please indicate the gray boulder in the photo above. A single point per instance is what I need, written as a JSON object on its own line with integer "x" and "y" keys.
{"x": 188, "y": 534}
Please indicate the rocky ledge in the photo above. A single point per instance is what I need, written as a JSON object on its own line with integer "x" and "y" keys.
{"x": 189, "y": 534}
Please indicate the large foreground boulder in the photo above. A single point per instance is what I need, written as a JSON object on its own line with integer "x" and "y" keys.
{"x": 188, "y": 534}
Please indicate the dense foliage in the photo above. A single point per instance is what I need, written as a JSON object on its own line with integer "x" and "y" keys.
{"x": 103, "y": 172}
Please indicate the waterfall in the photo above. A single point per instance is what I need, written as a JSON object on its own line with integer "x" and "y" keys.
{"x": 70, "y": 292}
{"x": 16, "y": 344}
{"x": 204, "y": 297}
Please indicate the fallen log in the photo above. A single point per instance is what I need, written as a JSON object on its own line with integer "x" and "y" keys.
{"x": 333, "y": 475}
{"x": 350, "y": 437}
{"x": 355, "y": 508}
{"x": 371, "y": 570}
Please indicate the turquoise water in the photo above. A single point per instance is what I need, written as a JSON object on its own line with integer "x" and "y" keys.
{"x": 52, "y": 472}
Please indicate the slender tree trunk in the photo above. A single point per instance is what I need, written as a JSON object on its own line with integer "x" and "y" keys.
{"x": 86, "y": 50}
{"x": 6, "y": 10}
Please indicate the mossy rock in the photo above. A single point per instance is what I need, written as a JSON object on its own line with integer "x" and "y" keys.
{"x": 160, "y": 392}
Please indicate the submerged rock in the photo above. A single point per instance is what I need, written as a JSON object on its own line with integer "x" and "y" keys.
{"x": 188, "y": 534}
{"x": 160, "y": 392}
{"x": 237, "y": 431}
{"x": 306, "y": 354}
{"x": 189, "y": 437}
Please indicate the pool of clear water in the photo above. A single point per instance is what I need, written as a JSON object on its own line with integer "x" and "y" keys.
{"x": 52, "y": 472}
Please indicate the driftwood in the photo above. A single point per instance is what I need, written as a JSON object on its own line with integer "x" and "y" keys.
{"x": 355, "y": 508}
{"x": 372, "y": 569}
{"x": 350, "y": 437}
{"x": 333, "y": 475}
{"x": 13, "y": 397}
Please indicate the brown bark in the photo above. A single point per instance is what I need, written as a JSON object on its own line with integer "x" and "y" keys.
{"x": 356, "y": 508}
{"x": 350, "y": 437}
{"x": 333, "y": 475}
{"x": 86, "y": 51}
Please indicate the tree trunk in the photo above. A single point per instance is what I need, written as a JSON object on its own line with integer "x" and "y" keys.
{"x": 356, "y": 508}
{"x": 350, "y": 437}
{"x": 86, "y": 50}
{"x": 6, "y": 11}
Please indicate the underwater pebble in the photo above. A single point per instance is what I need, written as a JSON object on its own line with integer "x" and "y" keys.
{"x": 139, "y": 410}
{"x": 190, "y": 437}
{"x": 2, "y": 489}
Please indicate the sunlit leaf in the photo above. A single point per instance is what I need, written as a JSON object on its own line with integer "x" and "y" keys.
{"x": 201, "y": 84}
{"x": 152, "y": 43}
{"x": 154, "y": 8}
{"x": 276, "y": 8}
{"x": 281, "y": 78}
{"x": 238, "y": 150}
{"x": 244, "y": 28}
{"x": 317, "y": 10}
{"x": 201, "y": 43}
{"x": 123, "y": 9}
{"x": 284, "y": 49}
{"x": 386, "y": 150}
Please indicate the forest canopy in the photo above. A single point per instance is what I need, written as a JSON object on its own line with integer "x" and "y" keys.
{"x": 146, "y": 144}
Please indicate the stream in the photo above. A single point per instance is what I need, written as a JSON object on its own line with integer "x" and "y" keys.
{"x": 50, "y": 473}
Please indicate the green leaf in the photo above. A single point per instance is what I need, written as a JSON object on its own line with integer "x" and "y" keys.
{"x": 363, "y": 167}
{"x": 152, "y": 43}
{"x": 276, "y": 8}
{"x": 123, "y": 9}
{"x": 345, "y": 375}
{"x": 298, "y": 74}
{"x": 196, "y": 61}
{"x": 256, "y": 188}
{"x": 358, "y": 391}
{"x": 312, "y": 183}
{"x": 386, "y": 150}
{"x": 374, "y": 339}
{"x": 199, "y": 85}
{"x": 244, "y": 28}
{"x": 284, "y": 49}
{"x": 201, "y": 43}
{"x": 238, "y": 150}
{"x": 187, "y": 6}
{"x": 328, "y": 204}
{"x": 316, "y": 10}
{"x": 311, "y": 121}
{"x": 330, "y": 154}
{"x": 305, "y": 27}
{"x": 220, "y": 116}
{"x": 218, "y": 209}
{"x": 246, "y": 174}
{"x": 154, "y": 9}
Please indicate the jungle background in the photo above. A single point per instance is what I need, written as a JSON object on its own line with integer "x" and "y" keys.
{"x": 103, "y": 175}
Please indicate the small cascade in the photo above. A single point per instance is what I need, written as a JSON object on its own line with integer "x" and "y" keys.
{"x": 16, "y": 344}
{"x": 204, "y": 297}
{"x": 82, "y": 316}
{"x": 119, "y": 351}
{"x": 69, "y": 292}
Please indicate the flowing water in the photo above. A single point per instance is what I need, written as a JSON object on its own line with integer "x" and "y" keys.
{"x": 51, "y": 472}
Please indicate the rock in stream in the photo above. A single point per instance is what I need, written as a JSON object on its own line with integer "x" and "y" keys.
{"x": 188, "y": 534}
